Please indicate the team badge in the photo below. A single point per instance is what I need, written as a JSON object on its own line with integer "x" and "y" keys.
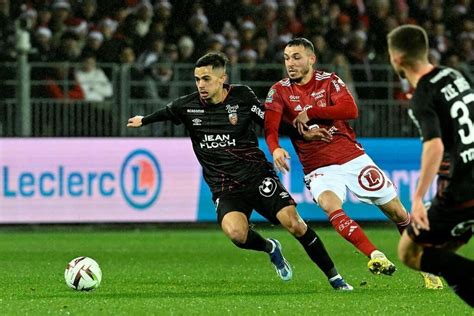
{"x": 233, "y": 118}
{"x": 268, "y": 187}
{"x": 371, "y": 178}
{"x": 232, "y": 111}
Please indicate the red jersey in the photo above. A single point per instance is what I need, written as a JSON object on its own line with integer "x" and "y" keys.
{"x": 329, "y": 104}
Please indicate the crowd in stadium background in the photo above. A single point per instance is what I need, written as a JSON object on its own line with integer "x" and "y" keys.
{"x": 248, "y": 31}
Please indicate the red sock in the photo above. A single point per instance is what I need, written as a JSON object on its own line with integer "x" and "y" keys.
{"x": 404, "y": 224}
{"x": 351, "y": 231}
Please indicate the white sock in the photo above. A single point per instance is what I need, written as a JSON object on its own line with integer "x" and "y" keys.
{"x": 338, "y": 276}
{"x": 376, "y": 254}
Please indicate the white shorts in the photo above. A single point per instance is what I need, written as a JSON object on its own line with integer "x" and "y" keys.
{"x": 360, "y": 175}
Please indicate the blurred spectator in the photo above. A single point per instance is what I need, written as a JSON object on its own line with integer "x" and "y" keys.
{"x": 455, "y": 62}
{"x": 93, "y": 42}
{"x": 61, "y": 84}
{"x": 268, "y": 20}
{"x": 289, "y": 23}
{"x": 338, "y": 38}
{"x": 186, "y": 50}
{"x": 340, "y": 65}
{"x": 231, "y": 53}
{"x": 68, "y": 49}
{"x": 60, "y": 13}
{"x": 42, "y": 45}
{"x": 313, "y": 21}
{"x": 361, "y": 68}
{"x": 199, "y": 31}
{"x": 137, "y": 24}
{"x": 107, "y": 27}
{"x": 323, "y": 54}
{"x": 265, "y": 54}
{"x": 216, "y": 43}
{"x": 87, "y": 11}
{"x": 438, "y": 39}
{"x": 130, "y": 72}
{"x": 93, "y": 81}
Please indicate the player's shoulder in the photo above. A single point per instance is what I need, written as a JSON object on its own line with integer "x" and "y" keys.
{"x": 282, "y": 84}
{"x": 321, "y": 75}
{"x": 240, "y": 88}
{"x": 185, "y": 100}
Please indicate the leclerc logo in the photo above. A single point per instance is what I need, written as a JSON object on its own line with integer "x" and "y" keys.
{"x": 140, "y": 179}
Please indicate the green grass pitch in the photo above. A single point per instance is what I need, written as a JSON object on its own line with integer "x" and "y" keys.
{"x": 161, "y": 271}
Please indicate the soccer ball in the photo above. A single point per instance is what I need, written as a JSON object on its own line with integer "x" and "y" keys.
{"x": 83, "y": 274}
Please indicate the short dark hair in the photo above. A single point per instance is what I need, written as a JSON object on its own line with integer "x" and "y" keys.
{"x": 216, "y": 60}
{"x": 411, "y": 41}
{"x": 301, "y": 41}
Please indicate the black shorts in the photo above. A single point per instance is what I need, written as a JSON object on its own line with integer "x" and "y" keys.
{"x": 447, "y": 225}
{"x": 267, "y": 197}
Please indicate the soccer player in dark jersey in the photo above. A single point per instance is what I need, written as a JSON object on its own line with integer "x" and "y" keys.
{"x": 442, "y": 107}
{"x": 310, "y": 98}
{"x": 219, "y": 120}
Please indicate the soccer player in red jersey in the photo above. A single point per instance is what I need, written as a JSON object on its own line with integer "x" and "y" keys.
{"x": 311, "y": 99}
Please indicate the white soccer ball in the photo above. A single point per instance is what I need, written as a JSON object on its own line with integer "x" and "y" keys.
{"x": 83, "y": 274}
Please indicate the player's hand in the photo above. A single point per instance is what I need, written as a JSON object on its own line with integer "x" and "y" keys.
{"x": 300, "y": 122}
{"x": 135, "y": 121}
{"x": 419, "y": 216}
{"x": 318, "y": 133}
{"x": 280, "y": 160}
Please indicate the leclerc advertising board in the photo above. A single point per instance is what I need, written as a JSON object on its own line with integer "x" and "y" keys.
{"x": 98, "y": 180}
{"x": 85, "y": 180}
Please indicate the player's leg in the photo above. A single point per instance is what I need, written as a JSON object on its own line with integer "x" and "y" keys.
{"x": 457, "y": 271}
{"x": 397, "y": 213}
{"x": 313, "y": 245}
{"x": 370, "y": 185}
{"x": 236, "y": 226}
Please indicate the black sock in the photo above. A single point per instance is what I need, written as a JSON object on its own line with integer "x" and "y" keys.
{"x": 456, "y": 270}
{"x": 317, "y": 252}
{"x": 255, "y": 242}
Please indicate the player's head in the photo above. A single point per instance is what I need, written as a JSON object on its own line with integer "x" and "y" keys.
{"x": 407, "y": 47}
{"x": 299, "y": 59}
{"x": 210, "y": 75}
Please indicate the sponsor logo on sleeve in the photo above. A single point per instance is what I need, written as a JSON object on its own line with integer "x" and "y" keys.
{"x": 270, "y": 94}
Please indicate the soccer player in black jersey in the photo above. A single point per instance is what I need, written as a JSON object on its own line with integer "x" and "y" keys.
{"x": 219, "y": 120}
{"x": 442, "y": 107}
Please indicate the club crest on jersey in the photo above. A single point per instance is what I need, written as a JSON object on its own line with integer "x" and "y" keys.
{"x": 321, "y": 103}
{"x": 371, "y": 178}
{"x": 270, "y": 94}
{"x": 232, "y": 110}
{"x": 233, "y": 118}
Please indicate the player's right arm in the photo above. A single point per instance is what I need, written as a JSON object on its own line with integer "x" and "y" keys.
{"x": 427, "y": 120}
{"x": 273, "y": 113}
{"x": 164, "y": 114}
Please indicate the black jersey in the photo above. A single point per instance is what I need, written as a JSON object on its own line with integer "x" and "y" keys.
{"x": 443, "y": 106}
{"x": 223, "y": 137}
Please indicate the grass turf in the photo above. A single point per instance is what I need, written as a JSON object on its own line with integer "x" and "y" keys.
{"x": 198, "y": 271}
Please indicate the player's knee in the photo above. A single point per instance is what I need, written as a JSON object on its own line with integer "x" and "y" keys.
{"x": 238, "y": 236}
{"x": 329, "y": 202}
{"x": 297, "y": 228}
